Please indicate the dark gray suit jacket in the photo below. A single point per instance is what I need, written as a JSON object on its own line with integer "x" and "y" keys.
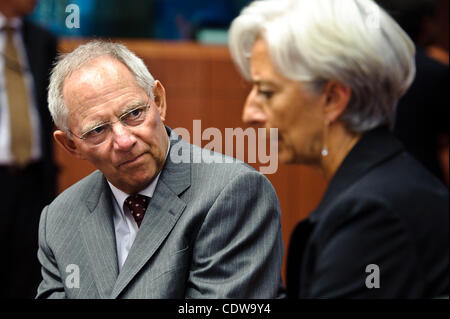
{"x": 210, "y": 231}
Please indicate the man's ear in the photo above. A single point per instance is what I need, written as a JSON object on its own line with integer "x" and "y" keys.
{"x": 67, "y": 143}
{"x": 159, "y": 94}
{"x": 337, "y": 97}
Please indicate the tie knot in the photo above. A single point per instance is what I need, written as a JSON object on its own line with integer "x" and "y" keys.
{"x": 9, "y": 30}
{"x": 137, "y": 205}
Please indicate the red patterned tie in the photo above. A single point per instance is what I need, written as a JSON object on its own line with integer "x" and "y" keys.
{"x": 137, "y": 205}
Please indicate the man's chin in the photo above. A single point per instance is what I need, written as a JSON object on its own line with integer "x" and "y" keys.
{"x": 132, "y": 183}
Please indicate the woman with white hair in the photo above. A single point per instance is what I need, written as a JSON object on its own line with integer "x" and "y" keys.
{"x": 328, "y": 74}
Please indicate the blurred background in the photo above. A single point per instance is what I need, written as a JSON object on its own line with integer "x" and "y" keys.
{"x": 200, "y": 20}
{"x": 183, "y": 44}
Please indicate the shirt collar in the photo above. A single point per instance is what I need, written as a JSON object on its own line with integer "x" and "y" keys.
{"x": 15, "y": 22}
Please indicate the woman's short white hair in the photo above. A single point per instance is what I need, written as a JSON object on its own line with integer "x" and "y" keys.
{"x": 67, "y": 64}
{"x": 354, "y": 42}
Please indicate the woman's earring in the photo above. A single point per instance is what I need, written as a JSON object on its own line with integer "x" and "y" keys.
{"x": 324, "y": 151}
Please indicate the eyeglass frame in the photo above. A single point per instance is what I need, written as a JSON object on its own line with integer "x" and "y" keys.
{"x": 110, "y": 124}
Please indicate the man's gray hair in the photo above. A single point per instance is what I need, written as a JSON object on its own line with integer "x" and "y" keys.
{"x": 354, "y": 42}
{"x": 67, "y": 64}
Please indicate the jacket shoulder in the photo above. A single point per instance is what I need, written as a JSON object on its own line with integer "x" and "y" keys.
{"x": 73, "y": 196}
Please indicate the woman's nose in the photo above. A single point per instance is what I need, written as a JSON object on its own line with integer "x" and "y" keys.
{"x": 252, "y": 113}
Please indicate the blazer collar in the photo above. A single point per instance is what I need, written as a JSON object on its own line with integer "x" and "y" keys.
{"x": 99, "y": 236}
{"x": 177, "y": 175}
{"x": 374, "y": 147}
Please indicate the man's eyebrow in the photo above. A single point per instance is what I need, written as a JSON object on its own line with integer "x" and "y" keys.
{"x": 124, "y": 110}
{"x": 132, "y": 106}
{"x": 92, "y": 125}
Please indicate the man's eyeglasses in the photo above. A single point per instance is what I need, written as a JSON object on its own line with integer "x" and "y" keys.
{"x": 102, "y": 132}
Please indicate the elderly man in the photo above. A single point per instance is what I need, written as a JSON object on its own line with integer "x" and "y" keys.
{"x": 147, "y": 225}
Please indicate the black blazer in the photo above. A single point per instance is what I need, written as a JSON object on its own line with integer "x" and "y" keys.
{"x": 382, "y": 207}
{"x": 41, "y": 48}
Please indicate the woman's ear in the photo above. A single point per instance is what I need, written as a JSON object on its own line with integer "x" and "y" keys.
{"x": 159, "y": 96}
{"x": 67, "y": 143}
{"x": 337, "y": 98}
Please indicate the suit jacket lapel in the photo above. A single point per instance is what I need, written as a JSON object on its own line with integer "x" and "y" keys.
{"x": 99, "y": 238}
{"x": 163, "y": 212}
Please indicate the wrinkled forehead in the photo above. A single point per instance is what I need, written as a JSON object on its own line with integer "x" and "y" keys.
{"x": 95, "y": 78}
{"x": 98, "y": 72}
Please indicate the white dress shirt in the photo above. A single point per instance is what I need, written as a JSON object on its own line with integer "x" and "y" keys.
{"x": 125, "y": 226}
{"x": 6, "y": 157}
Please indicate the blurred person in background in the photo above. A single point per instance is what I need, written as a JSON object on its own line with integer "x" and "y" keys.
{"x": 422, "y": 113}
{"x": 328, "y": 74}
{"x": 27, "y": 169}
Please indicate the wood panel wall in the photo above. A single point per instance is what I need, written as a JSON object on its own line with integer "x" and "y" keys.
{"x": 202, "y": 83}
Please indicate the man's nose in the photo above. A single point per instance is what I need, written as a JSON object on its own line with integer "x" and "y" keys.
{"x": 252, "y": 113}
{"x": 123, "y": 138}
